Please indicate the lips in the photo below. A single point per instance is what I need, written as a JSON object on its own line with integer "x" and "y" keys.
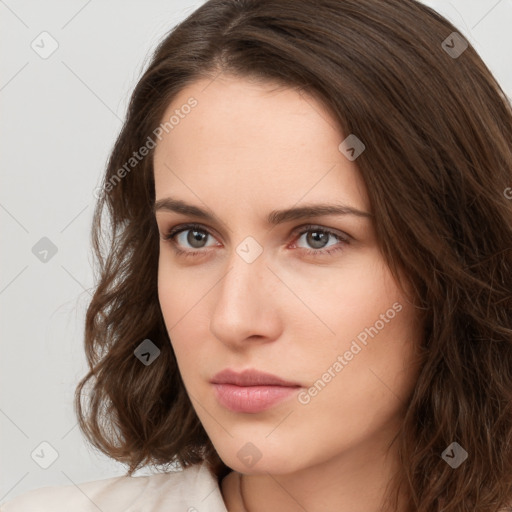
{"x": 251, "y": 391}
{"x": 250, "y": 378}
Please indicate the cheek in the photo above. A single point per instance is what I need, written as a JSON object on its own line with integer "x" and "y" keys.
{"x": 179, "y": 290}
{"x": 350, "y": 300}
{"x": 166, "y": 294}
{"x": 173, "y": 299}
{"x": 375, "y": 334}
{"x": 362, "y": 386}
{"x": 180, "y": 295}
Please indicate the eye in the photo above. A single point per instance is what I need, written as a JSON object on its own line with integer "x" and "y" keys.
{"x": 195, "y": 235}
{"x": 319, "y": 238}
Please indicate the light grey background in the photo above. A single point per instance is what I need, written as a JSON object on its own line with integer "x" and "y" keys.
{"x": 59, "y": 118}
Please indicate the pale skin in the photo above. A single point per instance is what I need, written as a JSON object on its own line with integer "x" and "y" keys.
{"x": 245, "y": 150}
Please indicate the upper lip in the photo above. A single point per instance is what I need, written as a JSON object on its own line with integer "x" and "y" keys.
{"x": 250, "y": 378}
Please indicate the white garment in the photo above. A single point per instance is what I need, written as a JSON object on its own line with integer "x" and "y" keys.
{"x": 193, "y": 489}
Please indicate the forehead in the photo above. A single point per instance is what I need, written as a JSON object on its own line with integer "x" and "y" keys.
{"x": 255, "y": 142}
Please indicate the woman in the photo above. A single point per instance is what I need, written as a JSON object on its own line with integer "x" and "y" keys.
{"x": 306, "y": 298}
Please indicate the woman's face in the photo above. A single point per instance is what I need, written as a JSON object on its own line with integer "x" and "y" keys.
{"x": 308, "y": 299}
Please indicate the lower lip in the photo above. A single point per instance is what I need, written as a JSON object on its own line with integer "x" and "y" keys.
{"x": 251, "y": 398}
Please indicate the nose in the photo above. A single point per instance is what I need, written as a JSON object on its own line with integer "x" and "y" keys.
{"x": 246, "y": 303}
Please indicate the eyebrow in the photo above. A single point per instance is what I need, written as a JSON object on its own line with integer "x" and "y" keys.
{"x": 274, "y": 217}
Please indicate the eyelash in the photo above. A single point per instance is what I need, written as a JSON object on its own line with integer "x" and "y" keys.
{"x": 173, "y": 232}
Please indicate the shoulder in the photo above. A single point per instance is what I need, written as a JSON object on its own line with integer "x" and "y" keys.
{"x": 190, "y": 490}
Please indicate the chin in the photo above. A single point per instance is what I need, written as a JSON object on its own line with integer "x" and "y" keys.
{"x": 254, "y": 458}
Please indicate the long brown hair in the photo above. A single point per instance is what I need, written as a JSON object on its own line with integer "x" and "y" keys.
{"x": 438, "y": 169}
